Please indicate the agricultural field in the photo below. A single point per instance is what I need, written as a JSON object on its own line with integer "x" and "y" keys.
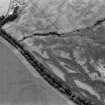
{"x": 67, "y": 37}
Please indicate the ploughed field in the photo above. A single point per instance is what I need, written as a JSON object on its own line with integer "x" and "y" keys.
{"x": 56, "y": 33}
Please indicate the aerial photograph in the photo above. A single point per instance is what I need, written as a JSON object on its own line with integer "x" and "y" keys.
{"x": 52, "y": 52}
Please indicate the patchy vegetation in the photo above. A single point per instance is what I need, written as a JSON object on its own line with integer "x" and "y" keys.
{"x": 65, "y": 33}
